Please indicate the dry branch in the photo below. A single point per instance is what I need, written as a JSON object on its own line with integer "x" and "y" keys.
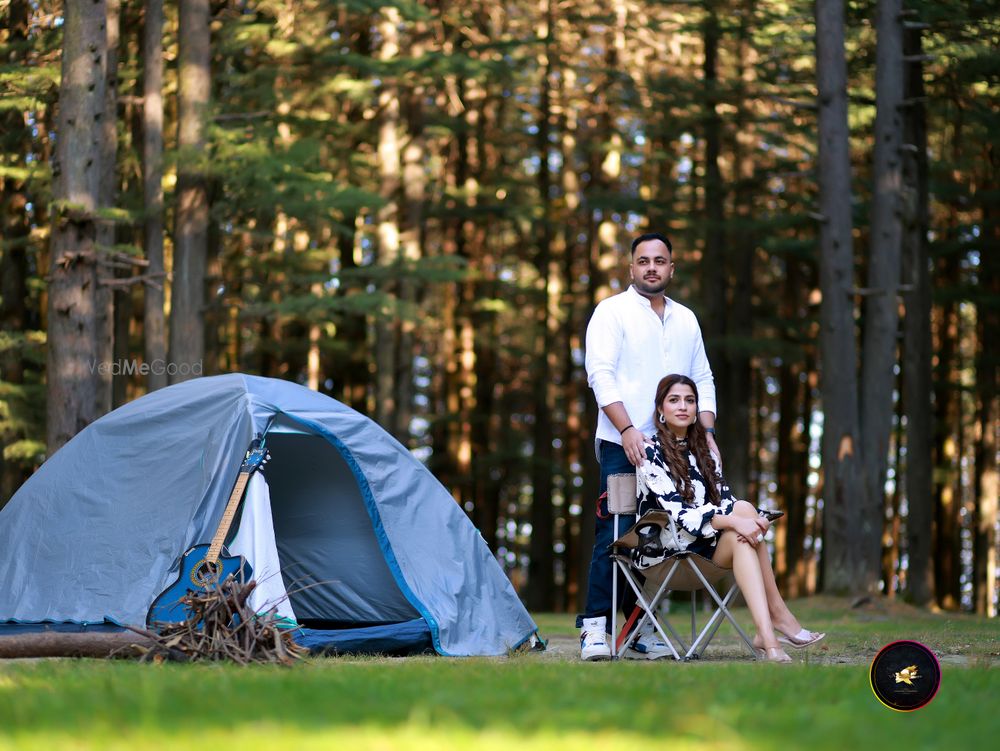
{"x": 221, "y": 627}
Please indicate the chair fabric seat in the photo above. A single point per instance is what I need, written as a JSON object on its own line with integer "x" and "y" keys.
{"x": 682, "y": 571}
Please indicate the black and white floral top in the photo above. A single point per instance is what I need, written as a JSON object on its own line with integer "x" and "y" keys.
{"x": 656, "y": 490}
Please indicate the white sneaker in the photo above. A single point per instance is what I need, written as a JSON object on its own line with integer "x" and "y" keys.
{"x": 648, "y": 645}
{"x": 594, "y": 640}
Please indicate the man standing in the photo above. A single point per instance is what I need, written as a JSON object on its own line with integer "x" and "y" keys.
{"x": 634, "y": 339}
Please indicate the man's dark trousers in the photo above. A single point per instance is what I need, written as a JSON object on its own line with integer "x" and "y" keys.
{"x": 613, "y": 462}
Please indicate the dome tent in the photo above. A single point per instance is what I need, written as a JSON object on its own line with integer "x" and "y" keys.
{"x": 373, "y": 551}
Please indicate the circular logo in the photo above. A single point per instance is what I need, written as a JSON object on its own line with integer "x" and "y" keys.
{"x": 905, "y": 675}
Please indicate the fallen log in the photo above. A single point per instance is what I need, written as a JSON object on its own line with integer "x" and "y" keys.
{"x": 67, "y": 644}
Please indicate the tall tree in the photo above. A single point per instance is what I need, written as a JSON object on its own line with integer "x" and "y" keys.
{"x": 842, "y": 467}
{"x": 386, "y": 326}
{"x": 154, "y": 315}
{"x": 881, "y": 316}
{"x": 917, "y": 386}
{"x": 541, "y": 566}
{"x": 985, "y": 517}
{"x": 114, "y": 299}
{"x": 78, "y": 387}
{"x": 191, "y": 214}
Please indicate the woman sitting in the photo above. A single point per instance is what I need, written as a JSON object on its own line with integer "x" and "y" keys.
{"x": 681, "y": 475}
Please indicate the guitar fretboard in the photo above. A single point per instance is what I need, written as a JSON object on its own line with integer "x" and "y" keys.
{"x": 227, "y": 518}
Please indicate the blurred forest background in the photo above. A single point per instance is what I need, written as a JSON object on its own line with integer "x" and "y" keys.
{"x": 414, "y": 206}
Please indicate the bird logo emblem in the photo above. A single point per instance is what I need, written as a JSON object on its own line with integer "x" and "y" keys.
{"x": 907, "y": 675}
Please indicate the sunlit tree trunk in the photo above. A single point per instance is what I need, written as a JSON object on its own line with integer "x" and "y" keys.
{"x": 77, "y": 392}
{"x": 714, "y": 291}
{"x": 154, "y": 316}
{"x": 117, "y": 303}
{"x": 984, "y": 558}
{"x": 386, "y": 409}
{"x": 191, "y": 215}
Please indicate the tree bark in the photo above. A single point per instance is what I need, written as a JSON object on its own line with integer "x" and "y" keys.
{"x": 386, "y": 327}
{"x": 917, "y": 387}
{"x": 842, "y": 468}
{"x": 984, "y": 541}
{"x": 736, "y": 403}
{"x": 714, "y": 288}
{"x": 154, "y": 315}
{"x": 15, "y": 229}
{"x": 947, "y": 442}
{"x": 540, "y": 570}
{"x": 881, "y": 319}
{"x": 191, "y": 216}
{"x": 77, "y": 392}
{"x": 117, "y": 303}
{"x": 57, "y": 644}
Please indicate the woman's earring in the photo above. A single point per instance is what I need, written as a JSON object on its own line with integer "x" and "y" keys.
{"x": 662, "y": 418}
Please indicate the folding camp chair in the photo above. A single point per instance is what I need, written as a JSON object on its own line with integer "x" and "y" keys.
{"x": 681, "y": 572}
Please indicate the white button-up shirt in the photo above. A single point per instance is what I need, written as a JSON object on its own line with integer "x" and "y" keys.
{"x": 629, "y": 349}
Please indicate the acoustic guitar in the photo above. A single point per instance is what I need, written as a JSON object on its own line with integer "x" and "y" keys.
{"x": 203, "y": 567}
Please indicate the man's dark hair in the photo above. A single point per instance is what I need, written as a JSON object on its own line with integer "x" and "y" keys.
{"x": 652, "y": 236}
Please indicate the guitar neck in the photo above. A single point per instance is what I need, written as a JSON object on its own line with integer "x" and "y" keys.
{"x": 227, "y": 518}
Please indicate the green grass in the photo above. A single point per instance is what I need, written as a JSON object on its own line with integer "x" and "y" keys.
{"x": 520, "y": 703}
{"x": 854, "y": 634}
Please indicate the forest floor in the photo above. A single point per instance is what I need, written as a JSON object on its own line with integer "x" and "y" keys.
{"x": 529, "y": 701}
{"x": 855, "y": 632}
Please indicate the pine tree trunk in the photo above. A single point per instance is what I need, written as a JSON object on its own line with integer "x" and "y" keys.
{"x": 15, "y": 229}
{"x": 842, "y": 468}
{"x": 118, "y": 301}
{"x": 917, "y": 388}
{"x": 714, "y": 287}
{"x": 386, "y": 328}
{"x": 191, "y": 216}
{"x": 154, "y": 317}
{"x": 984, "y": 557}
{"x": 792, "y": 447}
{"x": 77, "y": 391}
{"x": 881, "y": 319}
{"x": 947, "y": 439}
{"x": 540, "y": 571}
{"x": 735, "y": 410}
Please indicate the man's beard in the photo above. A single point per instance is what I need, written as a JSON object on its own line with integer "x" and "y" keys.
{"x": 651, "y": 287}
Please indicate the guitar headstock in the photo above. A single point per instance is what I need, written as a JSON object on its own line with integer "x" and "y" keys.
{"x": 256, "y": 457}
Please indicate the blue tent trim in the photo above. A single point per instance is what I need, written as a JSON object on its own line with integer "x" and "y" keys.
{"x": 383, "y": 540}
{"x": 12, "y": 627}
{"x": 409, "y": 637}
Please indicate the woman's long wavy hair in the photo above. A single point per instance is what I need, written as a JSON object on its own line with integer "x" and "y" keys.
{"x": 674, "y": 453}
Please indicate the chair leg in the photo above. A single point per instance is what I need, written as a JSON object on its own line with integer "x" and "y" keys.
{"x": 647, "y": 607}
{"x": 694, "y": 603}
{"x": 722, "y": 611}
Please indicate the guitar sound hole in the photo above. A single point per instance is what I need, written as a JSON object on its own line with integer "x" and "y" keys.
{"x": 206, "y": 574}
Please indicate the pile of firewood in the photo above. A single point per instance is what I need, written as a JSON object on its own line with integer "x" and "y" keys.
{"x": 221, "y": 627}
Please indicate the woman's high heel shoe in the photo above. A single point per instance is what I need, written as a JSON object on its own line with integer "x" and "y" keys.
{"x": 802, "y": 639}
